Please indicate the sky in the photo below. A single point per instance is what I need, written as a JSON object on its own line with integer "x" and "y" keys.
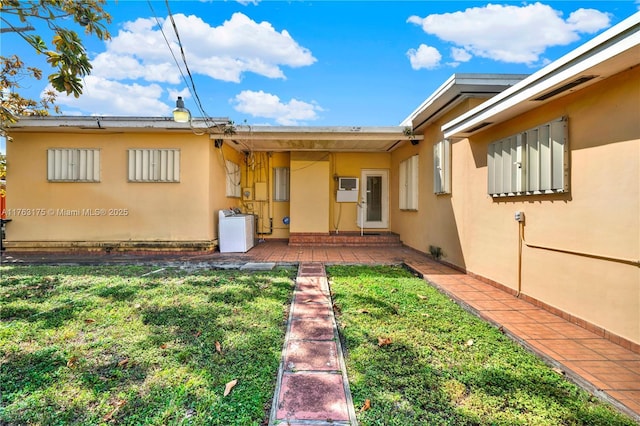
{"x": 314, "y": 63}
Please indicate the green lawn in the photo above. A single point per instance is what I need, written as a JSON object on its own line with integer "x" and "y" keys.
{"x": 121, "y": 345}
{"x": 438, "y": 365}
{"x": 140, "y": 345}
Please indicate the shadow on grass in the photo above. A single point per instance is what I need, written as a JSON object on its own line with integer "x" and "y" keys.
{"x": 119, "y": 293}
{"x": 174, "y": 373}
{"x": 25, "y": 373}
{"x": 431, "y": 374}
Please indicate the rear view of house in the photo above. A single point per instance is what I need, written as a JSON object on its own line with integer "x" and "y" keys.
{"x": 531, "y": 183}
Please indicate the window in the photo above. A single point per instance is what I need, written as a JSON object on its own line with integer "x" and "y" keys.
{"x": 280, "y": 184}
{"x": 442, "y": 167}
{"x": 532, "y": 162}
{"x": 409, "y": 184}
{"x": 73, "y": 165}
{"x": 233, "y": 179}
{"x": 154, "y": 165}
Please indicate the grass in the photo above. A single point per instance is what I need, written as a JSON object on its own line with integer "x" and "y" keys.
{"x": 438, "y": 365}
{"x": 129, "y": 345}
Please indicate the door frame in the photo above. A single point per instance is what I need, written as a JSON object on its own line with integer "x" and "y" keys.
{"x": 384, "y": 223}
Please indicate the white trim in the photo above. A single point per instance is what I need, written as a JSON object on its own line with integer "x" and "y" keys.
{"x": 600, "y": 49}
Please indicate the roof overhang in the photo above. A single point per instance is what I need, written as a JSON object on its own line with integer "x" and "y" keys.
{"x": 609, "y": 53}
{"x": 243, "y": 138}
{"x": 334, "y": 139}
{"x": 455, "y": 90}
{"x": 110, "y": 124}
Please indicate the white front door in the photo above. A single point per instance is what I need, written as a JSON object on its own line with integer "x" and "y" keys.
{"x": 373, "y": 209}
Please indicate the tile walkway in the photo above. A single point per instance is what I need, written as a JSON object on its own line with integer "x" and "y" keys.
{"x": 312, "y": 386}
{"x": 606, "y": 369}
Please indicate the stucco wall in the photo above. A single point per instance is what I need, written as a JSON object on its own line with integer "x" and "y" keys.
{"x": 438, "y": 221}
{"x": 310, "y": 192}
{"x": 599, "y": 215}
{"x": 142, "y": 211}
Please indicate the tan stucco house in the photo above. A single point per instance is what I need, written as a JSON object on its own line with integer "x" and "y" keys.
{"x": 531, "y": 183}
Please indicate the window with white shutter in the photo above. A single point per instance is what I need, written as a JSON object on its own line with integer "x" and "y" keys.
{"x": 233, "y": 179}
{"x": 73, "y": 165}
{"x": 442, "y": 167}
{"x": 532, "y": 162}
{"x": 408, "y": 191}
{"x": 280, "y": 184}
{"x": 154, "y": 165}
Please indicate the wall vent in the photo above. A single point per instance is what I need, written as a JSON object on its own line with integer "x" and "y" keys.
{"x": 479, "y": 126}
{"x": 565, "y": 87}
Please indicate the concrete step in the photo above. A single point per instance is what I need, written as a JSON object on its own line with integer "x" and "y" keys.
{"x": 346, "y": 239}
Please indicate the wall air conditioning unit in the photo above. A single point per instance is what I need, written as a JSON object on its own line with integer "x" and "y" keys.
{"x": 347, "y": 190}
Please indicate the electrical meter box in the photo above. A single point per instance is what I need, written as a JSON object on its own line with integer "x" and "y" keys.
{"x": 260, "y": 191}
{"x": 347, "y": 191}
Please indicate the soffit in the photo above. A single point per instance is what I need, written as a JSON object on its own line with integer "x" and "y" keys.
{"x": 245, "y": 138}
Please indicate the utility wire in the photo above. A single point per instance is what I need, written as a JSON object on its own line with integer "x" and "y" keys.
{"x": 184, "y": 60}
{"x": 190, "y": 82}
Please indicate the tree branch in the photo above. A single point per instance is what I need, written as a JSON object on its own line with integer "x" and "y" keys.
{"x": 16, "y": 29}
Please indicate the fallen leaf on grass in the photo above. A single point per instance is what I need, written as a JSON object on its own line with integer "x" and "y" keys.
{"x": 218, "y": 347}
{"x": 557, "y": 370}
{"x": 118, "y": 404}
{"x": 470, "y": 342}
{"x": 384, "y": 341}
{"x": 164, "y": 346}
{"x": 229, "y": 386}
{"x": 198, "y": 333}
{"x": 71, "y": 362}
{"x": 123, "y": 362}
{"x": 393, "y": 290}
{"x": 422, "y": 297}
{"x": 366, "y": 406}
{"x": 89, "y": 320}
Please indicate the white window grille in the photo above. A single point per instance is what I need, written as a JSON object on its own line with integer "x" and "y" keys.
{"x": 73, "y": 165}
{"x": 154, "y": 165}
{"x": 280, "y": 184}
{"x": 442, "y": 167}
{"x": 535, "y": 161}
{"x": 233, "y": 179}
{"x": 409, "y": 184}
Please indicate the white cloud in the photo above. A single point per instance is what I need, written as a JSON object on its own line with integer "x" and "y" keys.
{"x": 225, "y": 52}
{"x": 124, "y": 67}
{"x": 424, "y": 57}
{"x": 507, "y": 33}
{"x": 266, "y": 105}
{"x": 111, "y": 98}
{"x": 460, "y": 55}
{"x": 588, "y": 20}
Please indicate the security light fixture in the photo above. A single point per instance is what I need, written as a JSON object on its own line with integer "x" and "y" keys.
{"x": 180, "y": 113}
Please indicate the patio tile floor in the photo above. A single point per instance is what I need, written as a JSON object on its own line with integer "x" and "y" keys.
{"x": 606, "y": 369}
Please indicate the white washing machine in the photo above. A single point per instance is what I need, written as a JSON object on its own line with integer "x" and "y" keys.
{"x": 235, "y": 231}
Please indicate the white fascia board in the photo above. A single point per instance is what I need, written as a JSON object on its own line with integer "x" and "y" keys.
{"x": 457, "y": 88}
{"x": 585, "y": 57}
{"x": 438, "y": 93}
{"x": 110, "y": 122}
